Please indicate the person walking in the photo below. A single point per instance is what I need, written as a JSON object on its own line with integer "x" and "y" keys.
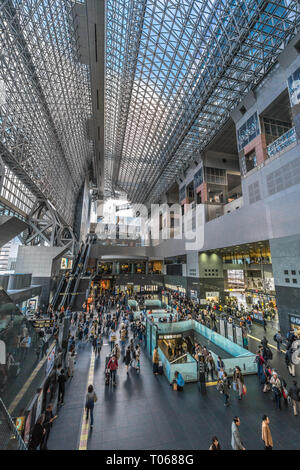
{"x": 294, "y": 393}
{"x": 276, "y": 389}
{"x": 238, "y": 381}
{"x": 278, "y": 339}
{"x": 155, "y": 360}
{"x": 112, "y": 339}
{"x": 127, "y": 359}
{"x": 61, "y": 387}
{"x": 215, "y": 445}
{"x": 49, "y": 418}
{"x": 226, "y": 387}
{"x": 71, "y": 363}
{"x": 289, "y": 362}
{"x": 266, "y": 433}
{"x": 236, "y": 442}
{"x": 220, "y": 367}
{"x": 91, "y": 399}
{"x": 113, "y": 367}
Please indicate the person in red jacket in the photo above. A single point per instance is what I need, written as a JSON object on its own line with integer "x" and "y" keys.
{"x": 113, "y": 366}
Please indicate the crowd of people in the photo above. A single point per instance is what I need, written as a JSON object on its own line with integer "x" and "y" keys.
{"x": 110, "y": 318}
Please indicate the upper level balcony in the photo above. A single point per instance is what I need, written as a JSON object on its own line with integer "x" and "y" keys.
{"x": 283, "y": 143}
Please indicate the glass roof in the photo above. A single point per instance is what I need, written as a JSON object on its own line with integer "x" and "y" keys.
{"x": 174, "y": 72}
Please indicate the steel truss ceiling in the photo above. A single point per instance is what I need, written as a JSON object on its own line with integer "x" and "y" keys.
{"x": 174, "y": 72}
{"x": 44, "y": 100}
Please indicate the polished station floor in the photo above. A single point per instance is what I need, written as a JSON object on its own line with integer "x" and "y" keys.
{"x": 143, "y": 412}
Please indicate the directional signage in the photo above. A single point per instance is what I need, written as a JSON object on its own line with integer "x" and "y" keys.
{"x": 42, "y": 323}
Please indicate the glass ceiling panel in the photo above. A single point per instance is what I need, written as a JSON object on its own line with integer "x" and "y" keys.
{"x": 174, "y": 72}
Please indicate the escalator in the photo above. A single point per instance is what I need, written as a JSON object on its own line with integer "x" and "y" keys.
{"x": 73, "y": 286}
{"x": 67, "y": 281}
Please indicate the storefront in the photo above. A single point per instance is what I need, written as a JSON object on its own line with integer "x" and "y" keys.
{"x": 181, "y": 290}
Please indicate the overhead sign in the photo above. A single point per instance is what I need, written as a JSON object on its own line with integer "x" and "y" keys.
{"x": 169, "y": 336}
{"x": 42, "y": 323}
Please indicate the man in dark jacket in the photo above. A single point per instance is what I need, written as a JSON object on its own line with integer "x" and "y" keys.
{"x": 294, "y": 393}
{"x": 61, "y": 386}
{"x": 49, "y": 418}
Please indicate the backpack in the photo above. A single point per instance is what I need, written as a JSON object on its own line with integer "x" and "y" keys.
{"x": 269, "y": 354}
{"x": 275, "y": 337}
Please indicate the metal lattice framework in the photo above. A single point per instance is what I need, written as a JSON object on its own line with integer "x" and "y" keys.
{"x": 174, "y": 72}
{"x": 44, "y": 101}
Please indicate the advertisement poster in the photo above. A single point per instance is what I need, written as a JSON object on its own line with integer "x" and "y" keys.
{"x": 229, "y": 331}
{"x": 50, "y": 360}
{"x": 27, "y": 428}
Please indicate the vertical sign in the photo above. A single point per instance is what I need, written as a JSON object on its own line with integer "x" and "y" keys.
{"x": 222, "y": 327}
{"x": 239, "y": 335}
{"x": 230, "y": 331}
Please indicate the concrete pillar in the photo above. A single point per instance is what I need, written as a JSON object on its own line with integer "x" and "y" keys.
{"x": 285, "y": 253}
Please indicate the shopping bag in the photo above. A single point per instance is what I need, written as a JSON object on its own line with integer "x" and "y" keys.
{"x": 244, "y": 389}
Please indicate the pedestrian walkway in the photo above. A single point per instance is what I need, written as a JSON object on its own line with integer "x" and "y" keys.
{"x": 143, "y": 412}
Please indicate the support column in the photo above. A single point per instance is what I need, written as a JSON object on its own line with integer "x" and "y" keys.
{"x": 285, "y": 254}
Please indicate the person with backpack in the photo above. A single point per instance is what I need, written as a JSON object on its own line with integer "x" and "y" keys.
{"x": 294, "y": 394}
{"x": 278, "y": 340}
{"x": 91, "y": 399}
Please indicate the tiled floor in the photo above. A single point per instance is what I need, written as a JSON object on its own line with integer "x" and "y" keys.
{"x": 143, "y": 412}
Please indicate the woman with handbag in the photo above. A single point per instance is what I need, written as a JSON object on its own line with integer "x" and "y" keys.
{"x": 238, "y": 379}
{"x": 91, "y": 399}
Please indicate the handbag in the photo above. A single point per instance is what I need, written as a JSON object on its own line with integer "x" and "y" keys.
{"x": 175, "y": 386}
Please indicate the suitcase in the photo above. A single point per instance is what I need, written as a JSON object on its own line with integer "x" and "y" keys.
{"x": 107, "y": 361}
{"x": 107, "y": 377}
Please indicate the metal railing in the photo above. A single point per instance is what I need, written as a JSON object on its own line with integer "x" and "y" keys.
{"x": 284, "y": 141}
{"x": 10, "y": 438}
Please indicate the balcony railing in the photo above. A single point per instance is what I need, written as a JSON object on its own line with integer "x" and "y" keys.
{"x": 284, "y": 141}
